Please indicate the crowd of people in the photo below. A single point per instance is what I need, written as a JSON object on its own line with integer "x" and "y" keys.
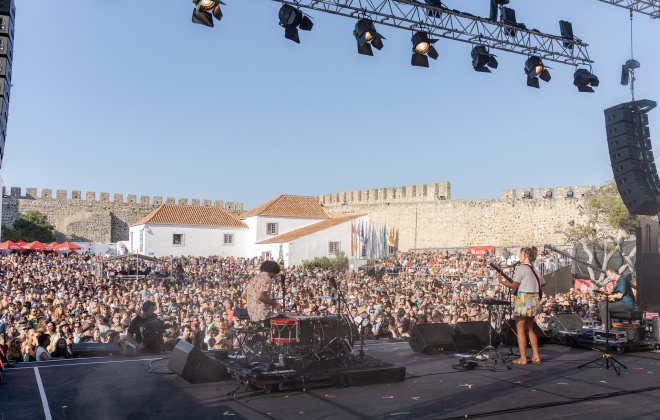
{"x": 49, "y": 301}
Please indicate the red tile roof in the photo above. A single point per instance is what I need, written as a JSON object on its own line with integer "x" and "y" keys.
{"x": 179, "y": 214}
{"x": 308, "y": 230}
{"x": 289, "y": 206}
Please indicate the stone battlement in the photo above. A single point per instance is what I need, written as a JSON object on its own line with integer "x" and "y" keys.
{"x": 117, "y": 199}
{"x": 407, "y": 194}
{"x": 441, "y": 191}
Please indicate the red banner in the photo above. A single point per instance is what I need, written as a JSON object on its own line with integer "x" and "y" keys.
{"x": 481, "y": 250}
{"x": 585, "y": 286}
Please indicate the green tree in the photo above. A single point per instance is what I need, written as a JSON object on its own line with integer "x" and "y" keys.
{"x": 338, "y": 263}
{"x": 31, "y": 226}
{"x": 607, "y": 227}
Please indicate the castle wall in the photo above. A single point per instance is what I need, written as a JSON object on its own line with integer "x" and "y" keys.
{"x": 90, "y": 219}
{"x": 427, "y": 217}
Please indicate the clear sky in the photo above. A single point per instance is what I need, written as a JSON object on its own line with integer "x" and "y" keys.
{"x": 130, "y": 97}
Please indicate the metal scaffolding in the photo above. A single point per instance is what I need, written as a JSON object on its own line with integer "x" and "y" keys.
{"x": 646, "y": 7}
{"x": 456, "y": 25}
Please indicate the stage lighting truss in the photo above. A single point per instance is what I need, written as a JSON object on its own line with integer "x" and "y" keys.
{"x": 482, "y": 59}
{"x": 291, "y": 18}
{"x": 585, "y": 80}
{"x": 535, "y": 70}
{"x": 423, "y": 49}
{"x": 366, "y": 35}
{"x": 646, "y": 7}
{"x": 205, "y": 11}
{"x": 439, "y": 22}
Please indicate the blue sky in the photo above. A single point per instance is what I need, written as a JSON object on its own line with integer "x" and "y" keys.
{"x": 130, "y": 97}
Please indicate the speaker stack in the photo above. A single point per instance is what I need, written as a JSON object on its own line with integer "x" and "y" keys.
{"x": 631, "y": 156}
{"x": 480, "y": 329}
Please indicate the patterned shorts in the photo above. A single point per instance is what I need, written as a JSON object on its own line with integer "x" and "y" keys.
{"x": 527, "y": 305}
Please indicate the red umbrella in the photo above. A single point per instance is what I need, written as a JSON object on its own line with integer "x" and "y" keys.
{"x": 23, "y": 245}
{"x": 67, "y": 246}
{"x": 37, "y": 246}
{"x": 9, "y": 245}
{"x": 51, "y": 246}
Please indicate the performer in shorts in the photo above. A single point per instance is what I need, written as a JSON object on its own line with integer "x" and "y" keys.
{"x": 528, "y": 281}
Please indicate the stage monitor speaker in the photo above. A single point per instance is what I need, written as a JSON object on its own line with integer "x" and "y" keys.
{"x": 190, "y": 363}
{"x": 509, "y": 334}
{"x": 565, "y": 322}
{"x": 429, "y": 338}
{"x": 478, "y": 328}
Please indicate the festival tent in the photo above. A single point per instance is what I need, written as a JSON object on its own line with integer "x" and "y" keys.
{"x": 23, "y": 246}
{"x": 67, "y": 246}
{"x": 51, "y": 246}
{"x": 36, "y": 246}
{"x": 10, "y": 245}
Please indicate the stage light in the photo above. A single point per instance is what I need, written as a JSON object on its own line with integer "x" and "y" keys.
{"x": 566, "y": 29}
{"x": 494, "y": 7}
{"x": 535, "y": 70}
{"x": 366, "y": 35}
{"x": 584, "y": 80}
{"x": 482, "y": 59}
{"x": 423, "y": 49}
{"x": 291, "y": 19}
{"x": 205, "y": 11}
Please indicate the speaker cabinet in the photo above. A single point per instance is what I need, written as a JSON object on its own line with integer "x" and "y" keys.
{"x": 565, "y": 322}
{"x": 190, "y": 363}
{"x": 480, "y": 329}
{"x": 429, "y": 338}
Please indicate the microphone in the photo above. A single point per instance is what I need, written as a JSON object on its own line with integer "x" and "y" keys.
{"x": 333, "y": 282}
{"x": 515, "y": 265}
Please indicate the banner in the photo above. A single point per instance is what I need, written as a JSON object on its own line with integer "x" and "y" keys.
{"x": 585, "y": 286}
{"x": 481, "y": 250}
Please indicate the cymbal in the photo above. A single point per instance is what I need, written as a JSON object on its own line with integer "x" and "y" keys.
{"x": 490, "y": 302}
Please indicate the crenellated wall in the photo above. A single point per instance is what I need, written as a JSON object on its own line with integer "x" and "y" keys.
{"x": 427, "y": 217}
{"x": 89, "y": 219}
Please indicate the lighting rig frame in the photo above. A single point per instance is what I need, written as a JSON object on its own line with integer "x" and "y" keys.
{"x": 455, "y": 25}
{"x": 646, "y": 7}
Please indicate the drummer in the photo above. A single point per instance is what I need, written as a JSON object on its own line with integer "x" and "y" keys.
{"x": 260, "y": 306}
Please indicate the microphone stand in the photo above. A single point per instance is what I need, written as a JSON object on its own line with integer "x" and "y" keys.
{"x": 340, "y": 299}
{"x": 283, "y": 281}
{"x": 609, "y": 360}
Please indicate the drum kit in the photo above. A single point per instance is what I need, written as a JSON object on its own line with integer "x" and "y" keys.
{"x": 290, "y": 337}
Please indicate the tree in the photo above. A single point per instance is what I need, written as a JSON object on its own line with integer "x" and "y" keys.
{"x": 31, "y": 226}
{"x": 339, "y": 263}
{"x": 608, "y": 228}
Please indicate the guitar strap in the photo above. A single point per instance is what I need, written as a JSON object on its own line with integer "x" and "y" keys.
{"x": 539, "y": 282}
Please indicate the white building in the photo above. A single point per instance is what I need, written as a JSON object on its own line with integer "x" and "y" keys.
{"x": 289, "y": 228}
{"x": 188, "y": 230}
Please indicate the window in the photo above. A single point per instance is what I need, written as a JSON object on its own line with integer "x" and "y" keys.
{"x": 141, "y": 240}
{"x": 177, "y": 239}
{"x": 229, "y": 239}
{"x": 271, "y": 229}
{"x": 334, "y": 248}
{"x": 266, "y": 256}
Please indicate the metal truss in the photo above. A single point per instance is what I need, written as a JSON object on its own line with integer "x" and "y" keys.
{"x": 456, "y": 25}
{"x": 646, "y": 7}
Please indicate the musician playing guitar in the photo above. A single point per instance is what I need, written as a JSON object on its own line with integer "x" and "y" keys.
{"x": 528, "y": 282}
{"x": 620, "y": 300}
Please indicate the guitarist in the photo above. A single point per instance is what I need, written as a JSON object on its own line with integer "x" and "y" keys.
{"x": 622, "y": 298}
{"x": 528, "y": 281}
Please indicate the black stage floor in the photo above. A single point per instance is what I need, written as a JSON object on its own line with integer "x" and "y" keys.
{"x": 143, "y": 388}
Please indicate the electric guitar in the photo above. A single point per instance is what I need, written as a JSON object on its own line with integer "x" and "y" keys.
{"x": 499, "y": 270}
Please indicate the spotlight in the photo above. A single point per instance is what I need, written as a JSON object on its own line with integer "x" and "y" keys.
{"x": 535, "y": 70}
{"x": 366, "y": 36}
{"x": 482, "y": 59}
{"x": 205, "y": 11}
{"x": 291, "y": 19}
{"x": 584, "y": 80}
{"x": 423, "y": 49}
